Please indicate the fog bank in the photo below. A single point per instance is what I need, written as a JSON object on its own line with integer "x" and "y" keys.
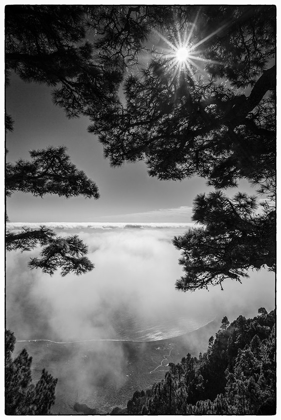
{"x": 131, "y": 290}
{"x": 130, "y": 295}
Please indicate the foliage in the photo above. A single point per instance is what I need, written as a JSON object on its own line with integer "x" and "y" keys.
{"x": 232, "y": 240}
{"x": 22, "y": 396}
{"x": 65, "y": 253}
{"x": 68, "y": 253}
{"x": 237, "y": 375}
{"x": 187, "y": 124}
{"x": 47, "y": 44}
{"x": 80, "y": 51}
{"x": 50, "y": 172}
{"x": 213, "y": 117}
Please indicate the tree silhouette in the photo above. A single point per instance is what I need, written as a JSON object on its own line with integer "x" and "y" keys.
{"x": 189, "y": 124}
{"x": 22, "y": 396}
{"x": 47, "y": 44}
{"x": 236, "y": 376}
{"x": 50, "y": 172}
{"x": 213, "y": 117}
{"x": 232, "y": 240}
{"x": 80, "y": 51}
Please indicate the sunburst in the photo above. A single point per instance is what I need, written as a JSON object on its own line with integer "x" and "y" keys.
{"x": 181, "y": 54}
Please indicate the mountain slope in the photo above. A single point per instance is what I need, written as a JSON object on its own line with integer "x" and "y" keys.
{"x": 237, "y": 374}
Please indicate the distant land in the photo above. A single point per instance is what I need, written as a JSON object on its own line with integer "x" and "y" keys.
{"x": 146, "y": 363}
{"x": 99, "y": 225}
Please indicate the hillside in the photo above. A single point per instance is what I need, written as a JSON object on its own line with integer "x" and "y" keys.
{"x": 142, "y": 368}
{"x": 237, "y": 374}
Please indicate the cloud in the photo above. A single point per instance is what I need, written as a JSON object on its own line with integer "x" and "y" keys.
{"x": 134, "y": 277}
{"x": 130, "y": 295}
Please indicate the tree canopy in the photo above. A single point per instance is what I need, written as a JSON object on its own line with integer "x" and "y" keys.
{"x": 235, "y": 376}
{"x": 47, "y": 44}
{"x": 212, "y": 114}
{"x": 23, "y": 397}
{"x": 50, "y": 172}
{"x": 215, "y": 119}
{"x": 81, "y": 52}
{"x": 232, "y": 240}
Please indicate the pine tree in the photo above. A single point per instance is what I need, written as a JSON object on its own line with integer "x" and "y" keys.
{"x": 22, "y": 397}
{"x": 49, "y": 44}
{"x": 236, "y": 376}
{"x": 214, "y": 118}
{"x": 81, "y": 52}
{"x": 50, "y": 172}
{"x": 185, "y": 124}
{"x": 234, "y": 238}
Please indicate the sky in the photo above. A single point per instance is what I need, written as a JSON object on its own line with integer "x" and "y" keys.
{"x": 127, "y": 193}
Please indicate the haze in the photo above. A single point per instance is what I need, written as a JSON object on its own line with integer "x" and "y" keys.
{"x": 131, "y": 289}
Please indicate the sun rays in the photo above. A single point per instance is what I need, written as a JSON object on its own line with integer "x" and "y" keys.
{"x": 181, "y": 53}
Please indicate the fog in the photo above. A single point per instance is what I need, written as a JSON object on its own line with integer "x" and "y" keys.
{"x": 133, "y": 282}
{"x": 130, "y": 295}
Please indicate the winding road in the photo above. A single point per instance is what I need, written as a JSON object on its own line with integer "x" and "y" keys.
{"x": 162, "y": 361}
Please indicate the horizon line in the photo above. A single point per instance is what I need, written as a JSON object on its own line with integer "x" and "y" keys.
{"x": 100, "y": 223}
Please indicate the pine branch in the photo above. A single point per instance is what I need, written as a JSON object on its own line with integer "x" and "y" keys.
{"x": 49, "y": 172}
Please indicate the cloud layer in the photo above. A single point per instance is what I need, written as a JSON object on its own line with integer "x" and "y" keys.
{"x": 130, "y": 295}
{"x": 134, "y": 276}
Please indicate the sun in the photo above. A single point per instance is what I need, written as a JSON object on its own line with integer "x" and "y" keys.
{"x": 182, "y": 54}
